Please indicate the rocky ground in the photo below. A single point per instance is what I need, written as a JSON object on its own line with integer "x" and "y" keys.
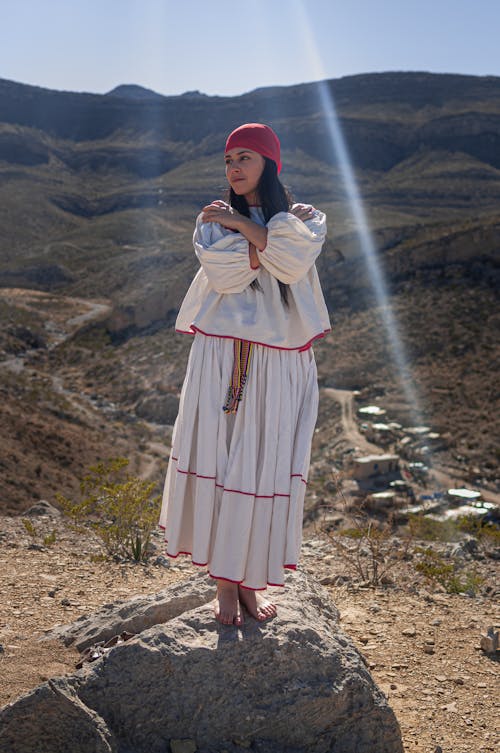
{"x": 421, "y": 643}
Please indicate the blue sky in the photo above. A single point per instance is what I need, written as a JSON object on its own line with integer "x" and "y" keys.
{"x": 227, "y": 48}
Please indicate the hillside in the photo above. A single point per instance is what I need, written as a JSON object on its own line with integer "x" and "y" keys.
{"x": 98, "y": 194}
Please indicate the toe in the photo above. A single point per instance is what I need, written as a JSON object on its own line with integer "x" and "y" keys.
{"x": 238, "y": 620}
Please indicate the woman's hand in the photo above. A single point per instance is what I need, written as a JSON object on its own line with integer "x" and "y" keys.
{"x": 303, "y": 211}
{"x": 219, "y": 211}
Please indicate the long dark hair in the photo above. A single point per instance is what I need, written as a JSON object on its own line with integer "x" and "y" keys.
{"x": 274, "y": 198}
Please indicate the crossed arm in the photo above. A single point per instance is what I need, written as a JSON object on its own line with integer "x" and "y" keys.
{"x": 256, "y": 235}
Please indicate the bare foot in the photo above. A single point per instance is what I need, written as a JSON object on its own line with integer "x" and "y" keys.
{"x": 257, "y": 604}
{"x": 227, "y": 607}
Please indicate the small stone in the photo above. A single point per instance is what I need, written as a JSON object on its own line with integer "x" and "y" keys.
{"x": 65, "y": 602}
{"x": 393, "y": 686}
{"x": 328, "y": 580}
{"x": 428, "y": 649}
{"x": 162, "y": 561}
{"x": 409, "y": 632}
{"x": 440, "y": 678}
{"x": 452, "y": 707}
{"x": 340, "y": 580}
{"x": 438, "y": 749}
{"x": 458, "y": 680}
{"x": 2, "y": 650}
{"x": 183, "y": 746}
{"x": 436, "y": 622}
{"x": 490, "y": 641}
{"x": 429, "y": 641}
{"x": 363, "y": 639}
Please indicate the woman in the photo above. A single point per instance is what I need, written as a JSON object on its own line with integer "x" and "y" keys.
{"x": 236, "y": 479}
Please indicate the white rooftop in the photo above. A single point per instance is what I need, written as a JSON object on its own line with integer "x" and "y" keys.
{"x": 372, "y": 410}
{"x": 418, "y": 429}
{"x": 464, "y": 493}
{"x": 375, "y": 458}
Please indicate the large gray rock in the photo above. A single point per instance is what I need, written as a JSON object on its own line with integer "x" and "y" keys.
{"x": 136, "y": 614}
{"x": 53, "y": 719}
{"x": 289, "y": 685}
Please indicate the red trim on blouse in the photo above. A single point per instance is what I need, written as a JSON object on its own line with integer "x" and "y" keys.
{"x": 300, "y": 348}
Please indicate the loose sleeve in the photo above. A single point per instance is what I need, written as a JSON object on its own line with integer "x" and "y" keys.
{"x": 224, "y": 256}
{"x": 292, "y": 245}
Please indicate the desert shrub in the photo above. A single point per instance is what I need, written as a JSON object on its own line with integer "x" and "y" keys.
{"x": 49, "y": 538}
{"x": 370, "y": 550}
{"x": 423, "y": 527}
{"x": 119, "y": 507}
{"x": 439, "y": 570}
{"x": 30, "y": 528}
{"x": 485, "y": 532}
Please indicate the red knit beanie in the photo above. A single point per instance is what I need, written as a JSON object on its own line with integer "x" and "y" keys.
{"x": 257, "y": 137}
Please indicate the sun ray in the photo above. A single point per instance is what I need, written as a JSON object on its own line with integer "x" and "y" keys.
{"x": 361, "y": 224}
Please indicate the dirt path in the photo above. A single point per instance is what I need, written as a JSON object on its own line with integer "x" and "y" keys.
{"x": 154, "y": 463}
{"x": 63, "y": 316}
{"x": 68, "y": 314}
{"x": 345, "y": 398}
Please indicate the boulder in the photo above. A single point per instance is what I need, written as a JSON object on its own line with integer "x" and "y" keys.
{"x": 291, "y": 684}
{"x": 42, "y": 507}
{"x": 136, "y": 614}
{"x": 52, "y": 719}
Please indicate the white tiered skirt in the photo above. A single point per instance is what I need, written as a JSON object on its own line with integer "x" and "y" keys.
{"x": 235, "y": 484}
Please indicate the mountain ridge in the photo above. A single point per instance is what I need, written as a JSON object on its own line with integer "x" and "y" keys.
{"x": 98, "y": 196}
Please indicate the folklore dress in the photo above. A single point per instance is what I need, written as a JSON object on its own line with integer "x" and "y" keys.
{"x": 236, "y": 479}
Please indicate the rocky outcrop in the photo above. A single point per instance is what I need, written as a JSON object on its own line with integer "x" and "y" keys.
{"x": 294, "y": 684}
{"x": 136, "y": 614}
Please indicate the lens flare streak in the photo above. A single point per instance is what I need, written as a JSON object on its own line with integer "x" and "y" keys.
{"x": 360, "y": 220}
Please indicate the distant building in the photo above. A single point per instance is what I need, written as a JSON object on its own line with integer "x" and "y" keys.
{"x": 382, "y": 499}
{"x": 379, "y": 433}
{"x": 375, "y": 465}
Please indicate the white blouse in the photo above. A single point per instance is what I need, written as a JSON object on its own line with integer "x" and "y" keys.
{"x": 220, "y": 301}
